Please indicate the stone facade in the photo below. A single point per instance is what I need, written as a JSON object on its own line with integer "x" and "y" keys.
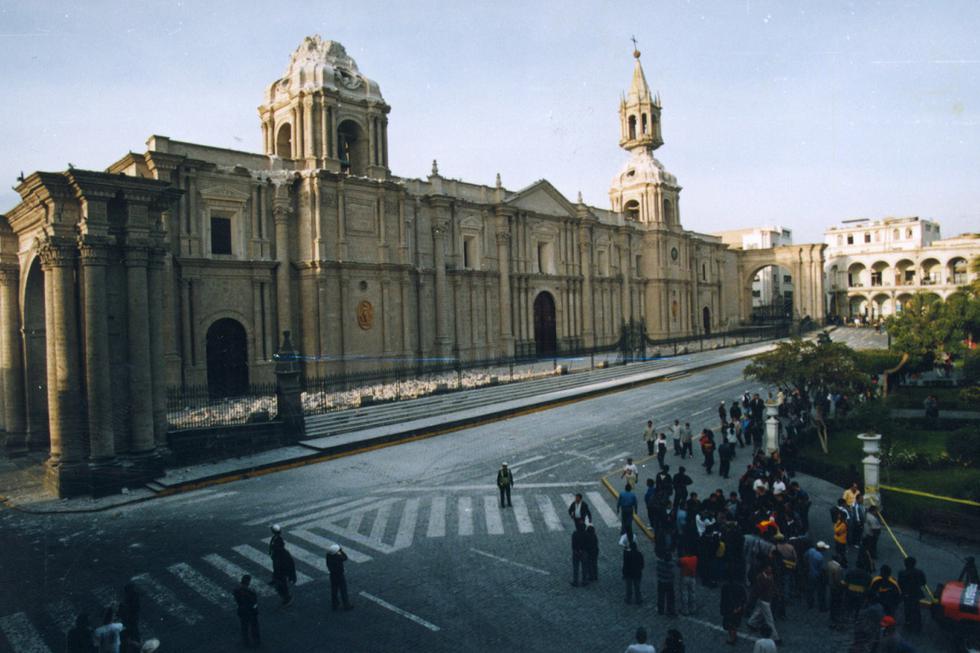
{"x": 180, "y": 265}
{"x": 874, "y": 266}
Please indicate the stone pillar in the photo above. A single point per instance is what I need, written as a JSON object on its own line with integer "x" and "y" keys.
{"x": 503, "y": 265}
{"x": 588, "y": 308}
{"x": 772, "y": 426}
{"x": 439, "y": 228}
{"x": 283, "y": 306}
{"x": 66, "y": 473}
{"x": 94, "y": 257}
{"x": 11, "y": 363}
{"x": 871, "y": 443}
{"x": 158, "y": 372}
{"x": 625, "y": 268}
{"x": 289, "y": 391}
{"x": 142, "y": 436}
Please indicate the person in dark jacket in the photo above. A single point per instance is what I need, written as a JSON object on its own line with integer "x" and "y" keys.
{"x": 633, "y": 572}
{"x": 129, "y": 615}
{"x": 591, "y": 573}
{"x": 578, "y": 554}
{"x": 248, "y": 611}
{"x": 722, "y": 415}
{"x": 911, "y": 580}
{"x": 505, "y": 481}
{"x": 725, "y": 454}
{"x": 707, "y": 442}
{"x": 579, "y": 510}
{"x": 674, "y": 642}
{"x": 665, "y": 585}
{"x": 79, "y": 638}
{"x": 734, "y": 598}
{"x": 283, "y": 569}
{"x": 681, "y": 480}
{"x": 886, "y": 590}
{"x": 338, "y": 578}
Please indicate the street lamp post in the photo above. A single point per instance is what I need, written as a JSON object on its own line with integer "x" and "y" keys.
{"x": 772, "y": 426}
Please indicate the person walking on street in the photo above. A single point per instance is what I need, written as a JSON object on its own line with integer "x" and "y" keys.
{"x": 665, "y": 585}
{"x": 725, "y": 454}
{"x": 283, "y": 566}
{"x": 686, "y": 437}
{"x": 79, "y": 638}
{"x": 630, "y": 473}
{"x": 816, "y": 585}
{"x": 626, "y": 507}
{"x": 886, "y": 590}
{"x": 856, "y": 582}
{"x": 707, "y": 442}
{"x": 649, "y": 435}
{"x": 734, "y": 598}
{"x": 661, "y": 449}
{"x": 911, "y": 580}
{"x": 336, "y": 557}
{"x": 633, "y": 572}
{"x": 579, "y": 510}
{"x": 248, "y": 611}
{"x": 834, "y": 570}
{"x": 840, "y": 536}
{"x": 505, "y": 481}
{"x": 578, "y": 554}
{"x": 591, "y": 553}
{"x": 641, "y": 645}
{"x": 675, "y": 432}
{"x": 681, "y": 480}
{"x": 763, "y": 592}
{"x": 856, "y": 516}
{"x": 688, "y": 564}
{"x": 652, "y": 502}
{"x": 722, "y": 415}
{"x": 674, "y": 643}
{"x": 129, "y": 615}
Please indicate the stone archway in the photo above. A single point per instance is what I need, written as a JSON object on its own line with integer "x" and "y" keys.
{"x": 545, "y": 325}
{"x": 36, "y": 358}
{"x": 227, "y": 358}
{"x": 706, "y": 320}
{"x": 805, "y": 266}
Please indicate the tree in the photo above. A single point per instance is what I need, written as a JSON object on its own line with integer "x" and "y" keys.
{"x": 815, "y": 369}
{"x": 918, "y": 330}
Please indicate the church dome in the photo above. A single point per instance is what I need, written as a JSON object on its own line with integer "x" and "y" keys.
{"x": 643, "y": 168}
{"x": 318, "y": 64}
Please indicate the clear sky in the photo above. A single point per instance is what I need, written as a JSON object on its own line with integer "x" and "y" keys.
{"x": 795, "y": 113}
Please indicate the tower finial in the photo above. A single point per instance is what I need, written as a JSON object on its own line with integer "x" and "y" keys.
{"x": 499, "y": 185}
{"x": 636, "y": 51}
{"x": 435, "y": 168}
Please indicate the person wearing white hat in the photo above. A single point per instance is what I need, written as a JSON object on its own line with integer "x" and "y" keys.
{"x": 338, "y": 579}
{"x": 150, "y": 646}
{"x": 505, "y": 481}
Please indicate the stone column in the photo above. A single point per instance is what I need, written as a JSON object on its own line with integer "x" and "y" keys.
{"x": 94, "y": 257}
{"x": 625, "y": 268}
{"x": 871, "y": 443}
{"x": 439, "y": 227}
{"x": 289, "y": 391}
{"x": 503, "y": 265}
{"x": 158, "y": 376}
{"x": 142, "y": 436}
{"x": 588, "y": 309}
{"x": 66, "y": 472}
{"x": 283, "y": 305}
{"x": 11, "y": 362}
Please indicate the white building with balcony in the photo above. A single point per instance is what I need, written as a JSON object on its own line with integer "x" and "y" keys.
{"x": 873, "y": 267}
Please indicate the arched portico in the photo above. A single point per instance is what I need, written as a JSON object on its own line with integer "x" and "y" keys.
{"x": 805, "y": 264}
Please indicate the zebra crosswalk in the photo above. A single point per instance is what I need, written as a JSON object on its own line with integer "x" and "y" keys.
{"x": 181, "y": 594}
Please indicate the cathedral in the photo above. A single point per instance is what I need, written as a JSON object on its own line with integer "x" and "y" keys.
{"x": 184, "y": 264}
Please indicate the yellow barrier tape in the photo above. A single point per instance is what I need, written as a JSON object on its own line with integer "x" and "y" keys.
{"x": 965, "y": 502}
{"x": 932, "y": 597}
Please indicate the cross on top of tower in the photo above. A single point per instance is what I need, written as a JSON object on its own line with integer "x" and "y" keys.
{"x": 636, "y": 51}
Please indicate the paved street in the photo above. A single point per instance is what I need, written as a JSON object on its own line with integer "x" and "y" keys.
{"x": 435, "y": 564}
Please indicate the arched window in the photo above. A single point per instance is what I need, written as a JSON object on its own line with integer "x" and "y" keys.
{"x": 632, "y": 127}
{"x": 284, "y": 141}
{"x": 352, "y": 148}
{"x": 704, "y": 272}
{"x": 895, "y": 234}
{"x": 668, "y": 211}
{"x": 632, "y": 210}
{"x": 643, "y": 124}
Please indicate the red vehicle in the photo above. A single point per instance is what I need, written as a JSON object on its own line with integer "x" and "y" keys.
{"x": 958, "y": 612}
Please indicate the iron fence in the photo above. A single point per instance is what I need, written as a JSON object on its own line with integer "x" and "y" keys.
{"x": 194, "y": 407}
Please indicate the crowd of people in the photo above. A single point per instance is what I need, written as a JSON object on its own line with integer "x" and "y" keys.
{"x": 759, "y": 542}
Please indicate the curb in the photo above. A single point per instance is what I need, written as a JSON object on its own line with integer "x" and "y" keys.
{"x": 392, "y": 439}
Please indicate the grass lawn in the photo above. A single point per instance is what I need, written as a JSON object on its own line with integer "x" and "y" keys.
{"x": 945, "y": 480}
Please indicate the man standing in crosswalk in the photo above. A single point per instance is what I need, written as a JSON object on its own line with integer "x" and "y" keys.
{"x": 338, "y": 578}
{"x": 579, "y": 511}
{"x": 283, "y": 566}
{"x": 248, "y": 611}
{"x": 505, "y": 481}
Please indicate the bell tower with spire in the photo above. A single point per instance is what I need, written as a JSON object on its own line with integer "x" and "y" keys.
{"x": 643, "y": 191}
{"x": 639, "y": 113}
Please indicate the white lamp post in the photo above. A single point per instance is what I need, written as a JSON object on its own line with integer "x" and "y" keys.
{"x": 772, "y": 426}
{"x": 871, "y": 443}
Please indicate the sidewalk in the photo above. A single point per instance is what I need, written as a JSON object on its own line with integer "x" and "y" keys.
{"x": 21, "y": 480}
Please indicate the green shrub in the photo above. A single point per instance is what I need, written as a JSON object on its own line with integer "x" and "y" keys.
{"x": 971, "y": 366}
{"x": 970, "y": 396}
{"x": 963, "y": 445}
{"x": 876, "y": 361}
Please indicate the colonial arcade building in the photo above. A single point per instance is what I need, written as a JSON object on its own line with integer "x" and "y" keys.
{"x": 182, "y": 264}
